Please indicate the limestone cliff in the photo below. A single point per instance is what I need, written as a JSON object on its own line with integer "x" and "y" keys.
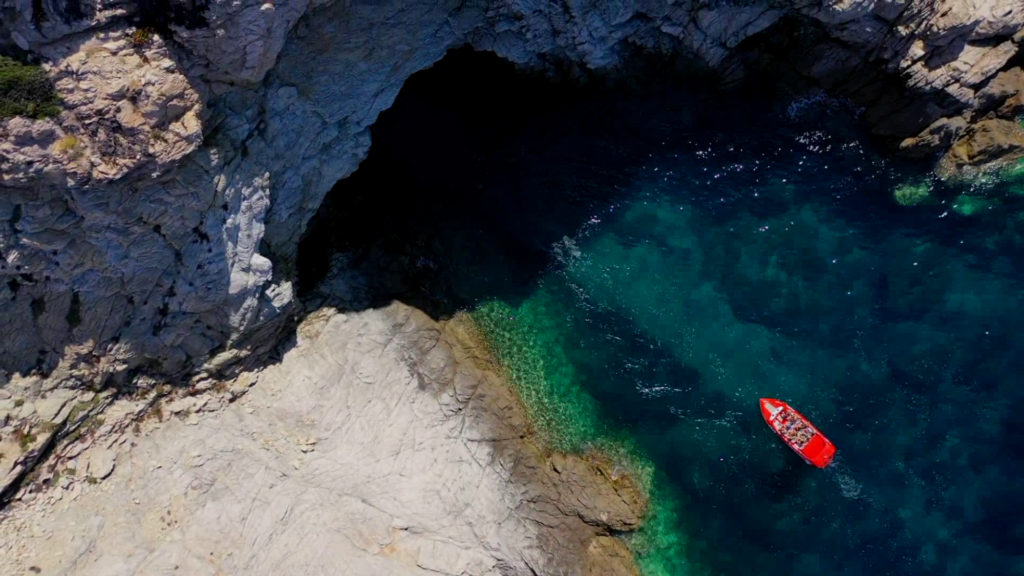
{"x": 152, "y": 227}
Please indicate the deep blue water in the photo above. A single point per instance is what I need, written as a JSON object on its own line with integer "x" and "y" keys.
{"x": 674, "y": 257}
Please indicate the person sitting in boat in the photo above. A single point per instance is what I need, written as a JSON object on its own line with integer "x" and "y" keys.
{"x": 807, "y": 435}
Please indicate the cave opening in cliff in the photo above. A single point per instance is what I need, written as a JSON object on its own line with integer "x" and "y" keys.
{"x": 647, "y": 260}
{"x": 479, "y": 169}
{"x": 452, "y": 152}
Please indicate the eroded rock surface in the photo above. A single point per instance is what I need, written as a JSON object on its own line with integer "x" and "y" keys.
{"x": 127, "y": 107}
{"x": 377, "y": 446}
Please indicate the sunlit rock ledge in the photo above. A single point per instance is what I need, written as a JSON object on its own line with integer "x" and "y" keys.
{"x": 378, "y": 445}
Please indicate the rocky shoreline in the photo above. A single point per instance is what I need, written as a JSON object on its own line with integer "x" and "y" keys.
{"x": 381, "y": 444}
{"x": 149, "y": 232}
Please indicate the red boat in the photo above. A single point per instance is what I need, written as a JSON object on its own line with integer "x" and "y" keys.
{"x": 798, "y": 432}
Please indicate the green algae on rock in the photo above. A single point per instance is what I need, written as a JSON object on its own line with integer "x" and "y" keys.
{"x": 528, "y": 343}
{"x": 912, "y": 194}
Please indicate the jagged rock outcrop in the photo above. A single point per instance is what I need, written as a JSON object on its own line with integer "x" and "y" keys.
{"x": 128, "y": 108}
{"x": 155, "y": 223}
{"x": 987, "y": 141}
{"x": 299, "y": 476}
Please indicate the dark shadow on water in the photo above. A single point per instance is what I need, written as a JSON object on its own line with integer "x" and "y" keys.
{"x": 446, "y": 210}
{"x": 477, "y": 170}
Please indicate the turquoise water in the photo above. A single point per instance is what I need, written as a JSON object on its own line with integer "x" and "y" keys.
{"x": 901, "y": 349}
{"x": 648, "y": 277}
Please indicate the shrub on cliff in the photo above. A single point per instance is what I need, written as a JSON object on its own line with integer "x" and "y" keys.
{"x": 25, "y": 90}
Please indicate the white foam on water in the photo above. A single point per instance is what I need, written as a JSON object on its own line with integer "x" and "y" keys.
{"x": 566, "y": 251}
{"x": 849, "y": 487}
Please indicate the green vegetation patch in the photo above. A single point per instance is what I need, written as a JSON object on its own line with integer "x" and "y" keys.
{"x": 26, "y": 90}
{"x": 141, "y": 37}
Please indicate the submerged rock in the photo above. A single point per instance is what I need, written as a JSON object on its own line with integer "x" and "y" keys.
{"x": 968, "y": 205}
{"x": 912, "y": 194}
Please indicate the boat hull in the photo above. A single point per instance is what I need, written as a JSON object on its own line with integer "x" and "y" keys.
{"x": 807, "y": 441}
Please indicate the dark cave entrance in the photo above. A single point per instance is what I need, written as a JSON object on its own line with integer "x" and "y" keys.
{"x": 432, "y": 165}
{"x": 479, "y": 168}
{"x": 468, "y": 183}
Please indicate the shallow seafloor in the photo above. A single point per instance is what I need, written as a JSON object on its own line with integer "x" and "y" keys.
{"x": 649, "y": 263}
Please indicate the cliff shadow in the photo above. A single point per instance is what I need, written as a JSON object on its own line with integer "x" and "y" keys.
{"x": 799, "y": 55}
{"x": 479, "y": 169}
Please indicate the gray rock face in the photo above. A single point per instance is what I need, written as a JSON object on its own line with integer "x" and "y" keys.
{"x": 168, "y": 227}
{"x": 377, "y": 446}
